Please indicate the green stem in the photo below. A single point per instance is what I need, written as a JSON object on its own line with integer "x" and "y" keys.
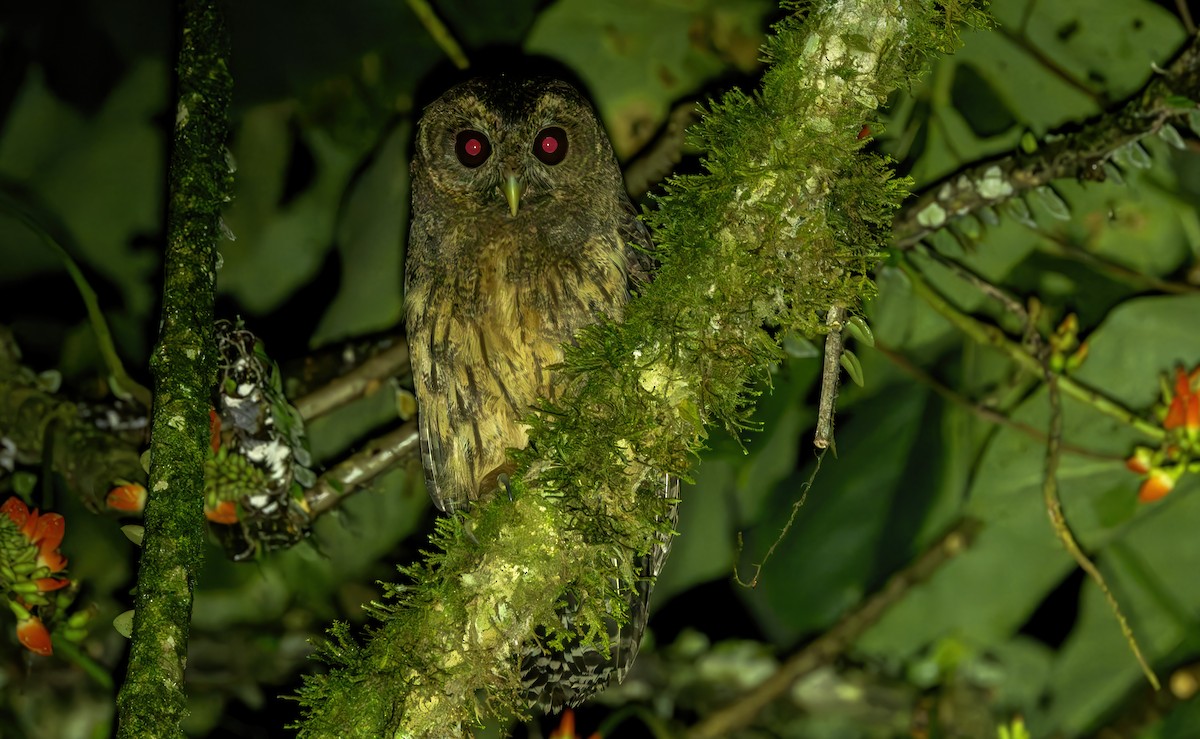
{"x": 97, "y": 672}
{"x": 990, "y": 335}
{"x": 439, "y": 32}
{"x": 122, "y": 384}
{"x": 152, "y": 701}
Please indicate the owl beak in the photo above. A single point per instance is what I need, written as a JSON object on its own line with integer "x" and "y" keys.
{"x": 513, "y": 187}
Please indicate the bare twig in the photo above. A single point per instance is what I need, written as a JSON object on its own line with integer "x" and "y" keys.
{"x": 753, "y": 583}
{"x": 359, "y": 382}
{"x": 987, "y": 414}
{"x": 1059, "y": 246}
{"x": 661, "y": 156}
{"x": 351, "y": 474}
{"x": 831, "y": 373}
{"x": 1185, "y": 15}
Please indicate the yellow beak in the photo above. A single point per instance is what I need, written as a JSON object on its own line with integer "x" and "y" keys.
{"x": 512, "y": 188}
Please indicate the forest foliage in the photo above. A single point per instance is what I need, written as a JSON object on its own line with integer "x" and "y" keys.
{"x": 1101, "y": 277}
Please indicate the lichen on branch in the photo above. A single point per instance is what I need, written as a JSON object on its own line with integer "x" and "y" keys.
{"x": 786, "y": 221}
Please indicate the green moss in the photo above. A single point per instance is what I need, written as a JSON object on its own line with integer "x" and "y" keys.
{"x": 786, "y": 221}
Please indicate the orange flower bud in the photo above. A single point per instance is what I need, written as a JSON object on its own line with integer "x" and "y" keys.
{"x": 127, "y": 498}
{"x": 1156, "y": 486}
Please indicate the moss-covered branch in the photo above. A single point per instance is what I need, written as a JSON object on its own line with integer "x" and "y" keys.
{"x": 785, "y": 223}
{"x": 152, "y": 701}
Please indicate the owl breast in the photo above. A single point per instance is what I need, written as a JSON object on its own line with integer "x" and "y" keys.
{"x": 486, "y": 331}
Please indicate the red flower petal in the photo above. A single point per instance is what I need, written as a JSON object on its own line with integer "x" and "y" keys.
{"x": 1192, "y": 422}
{"x": 1140, "y": 462}
{"x": 15, "y": 509}
{"x": 1175, "y": 413}
{"x": 46, "y": 584}
{"x": 33, "y": 635}
{"x": 1182, "y": 386}
{"x": 49, "y": 530}
{"x": 214, "y": 430}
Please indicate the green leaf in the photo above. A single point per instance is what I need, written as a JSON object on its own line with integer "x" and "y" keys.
{"x": 638, "y": 57}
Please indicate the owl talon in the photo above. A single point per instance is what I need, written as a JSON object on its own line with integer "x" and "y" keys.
{"x": 469, "y": 532}
{"x": 503, "y": 483}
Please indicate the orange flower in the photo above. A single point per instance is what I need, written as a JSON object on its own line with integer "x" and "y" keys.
{"x": 566, "y": 729}
{"x": 44, "y": 531}
{"x": 225, "y": 512}
{"x": 34, "y": 637}
{"x": 1184, "y": 410}
{"x": 29, "y": 543}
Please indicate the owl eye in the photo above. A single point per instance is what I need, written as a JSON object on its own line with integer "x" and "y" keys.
{"x": 550, "y": 145}
{"x": 472, "y": 148}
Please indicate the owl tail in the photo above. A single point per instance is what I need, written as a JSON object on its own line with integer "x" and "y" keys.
{"x": 557, "y": 678}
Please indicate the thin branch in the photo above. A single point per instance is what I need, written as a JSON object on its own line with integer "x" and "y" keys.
{"x": 837, "y": 639}
{"x": 1063, "y": 530}
{"x": 990, "y": 335}
{"x": 1185, "y": 15}
{"x": 152, "y": 700}
{"x": 831, "y": 373}
{"x": 360, "y": 382}
{"x": 1020, "y": 41}
{"x": 783, "y": 532}
{"x": 353, "y": 473}
{"x": 1059, "y": 246}
{"x": 987, "y": 414}
{"x": 659, "y": 159}
{"x": 1079, "y": 154}
{"x": 973, "y": 278}
{"x": 121, "y": 383}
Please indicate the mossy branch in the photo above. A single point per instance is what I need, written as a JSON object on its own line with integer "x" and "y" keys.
{"x": 785, "y": 223}
{"x": 152, "y": 701}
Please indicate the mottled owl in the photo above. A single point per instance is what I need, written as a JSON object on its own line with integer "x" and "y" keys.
{"x": 521, "y": 234}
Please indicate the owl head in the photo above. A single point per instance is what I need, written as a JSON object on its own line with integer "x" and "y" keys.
{"x": 503, "y": 144}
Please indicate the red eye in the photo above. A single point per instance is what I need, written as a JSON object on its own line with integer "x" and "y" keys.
{"x": 550, "y": 145}
{"x": 472, "y": 148}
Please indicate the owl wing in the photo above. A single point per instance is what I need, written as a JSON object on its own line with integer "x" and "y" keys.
{"x": 638, "y": 246}
{"x": 432, "y": 459}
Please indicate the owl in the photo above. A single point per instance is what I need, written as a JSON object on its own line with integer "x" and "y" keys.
{"x": 521, "y": 234}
